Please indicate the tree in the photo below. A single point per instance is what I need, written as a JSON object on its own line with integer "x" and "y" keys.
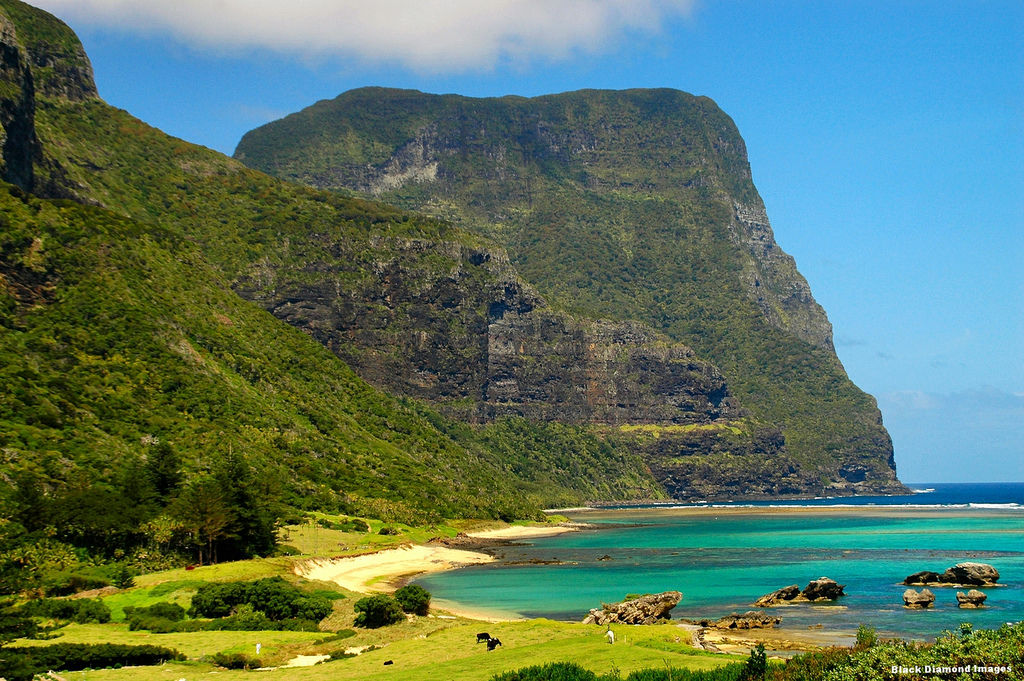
{"x": 202, "y": 509}
{"x": 378, "y": 611}
{"x": 251, "y": 497}
{"x": 163, "y": 466}
{"x": 413, "y": 598}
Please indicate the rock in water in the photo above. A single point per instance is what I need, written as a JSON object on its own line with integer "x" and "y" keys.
{"x": 918, "y": 601}
{"x": 971, "y": 599}
{"x": 644, "y": 610}
{"x": 823, "y": 589}
{"x": 922, "y": 577}
{"x": 978, "y": 574}
{"x": 786, "y": 593}
{"x": 752, "y": 619}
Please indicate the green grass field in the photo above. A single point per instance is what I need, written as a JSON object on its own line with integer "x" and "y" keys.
{"x": 421, "y": 648}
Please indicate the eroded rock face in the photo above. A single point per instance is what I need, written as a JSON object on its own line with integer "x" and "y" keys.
{"x": 918, "y": 600}
{"x": 823, "y": 589}
{"x": 979, "y": 574}
{"x": 647, "y": 609}
{"x": 961, "y": 574}
{"x": 921, "y": 578}
{"x": 783, "y": 595}
{"x": 752, "y": 619}
{"x": 971, "y": 599}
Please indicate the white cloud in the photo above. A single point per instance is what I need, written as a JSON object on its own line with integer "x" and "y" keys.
{"x": 434, "y": 35}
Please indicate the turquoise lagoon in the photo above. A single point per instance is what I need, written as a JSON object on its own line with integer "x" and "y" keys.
{"x": 724, "y": 558}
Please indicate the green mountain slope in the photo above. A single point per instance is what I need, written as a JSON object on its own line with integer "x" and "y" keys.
{"x": 632, "y": 205}
{"x": 120, "y": 329}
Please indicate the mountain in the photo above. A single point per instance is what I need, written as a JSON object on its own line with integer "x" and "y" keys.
{"x": 630, "y": 206}
{"x": 121, "y": 330}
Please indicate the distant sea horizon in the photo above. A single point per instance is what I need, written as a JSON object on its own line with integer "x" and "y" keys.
{"x": 722, "y": 562}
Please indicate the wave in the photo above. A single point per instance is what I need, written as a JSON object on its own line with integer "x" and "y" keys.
{"x": 926, "y": 490}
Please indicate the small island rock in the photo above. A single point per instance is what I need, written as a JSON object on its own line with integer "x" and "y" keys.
{"x": 918, "y": 600}
{"x": 922, "y": 577}
{"x": 823, "y": 589}
{"x": 783, "y": 595}
{"x": 971, "y": 599}
{"x": 752, "y": 619}
{"x": 644, "y": 610}
{"x": 977, "y": 574}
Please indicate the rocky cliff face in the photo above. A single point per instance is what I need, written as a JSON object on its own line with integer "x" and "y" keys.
{"x": 452, "y": 323}
{"x": 629, "y": 205}
{"x": 39, "y": 57}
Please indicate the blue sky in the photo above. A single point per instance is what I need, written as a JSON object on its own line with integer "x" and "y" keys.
{"x": 886, "y": 139}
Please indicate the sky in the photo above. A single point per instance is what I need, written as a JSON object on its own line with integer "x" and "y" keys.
{"x": 886, "y": 139}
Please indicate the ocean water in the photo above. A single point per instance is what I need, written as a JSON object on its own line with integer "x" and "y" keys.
{"x": 726, "y": 556}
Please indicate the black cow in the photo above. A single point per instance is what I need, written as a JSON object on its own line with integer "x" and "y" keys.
{"x": 493, "y": 643}
{"x": 483, "y": 637}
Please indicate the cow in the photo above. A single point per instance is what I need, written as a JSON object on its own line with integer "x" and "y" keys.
{"x": 483, "y": 637}
{"x": 493, "y": 643}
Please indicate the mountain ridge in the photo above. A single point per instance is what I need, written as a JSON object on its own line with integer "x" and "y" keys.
{"x": 628, "y": 205}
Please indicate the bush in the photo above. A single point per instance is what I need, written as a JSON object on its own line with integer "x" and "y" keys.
{"x": 236, "y": 661}
{"x": 170, "y": 611}
{"x": 354, "y": 525}
{"x": 387, "y": 529}
{"x": 15, "y": 663}
{"x": 80, "y": 611}
{"x": 124, "y": 578}
{"x": 274, "y": 597}
{"x": 378, "y": 611}
{"x": 65, "y": 583}
{"x": 413, "y": 598}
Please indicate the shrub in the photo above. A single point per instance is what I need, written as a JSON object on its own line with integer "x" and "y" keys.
{"x": 124, "y": 578}
{"x": 387, "y": 529}
{"x": 80, "y": 611}
{"x": 65, "y": 583}
{"x": 866, "y": 636}
{"x": 236, "y": 661}
{"x": 378, "y": 611}
{"x": 15, "y": 663}
{"x": 413, "y": 598}
{"x": 274, "y": 597}
{"x": 170, "y": 611}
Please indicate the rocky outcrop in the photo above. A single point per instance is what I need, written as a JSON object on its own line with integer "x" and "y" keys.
{"x": 971, "y": 599}
{"x": 922, "y": 578}
{"x": 918, "y": 600}
{"x": 648, "y": 609}
{"x": 822, "y": 589}
{"x": 784, "y": 595}
{"x": 752, "y": 619}
{"x": 978, "y": 574}
{"x": 961, "y": 574}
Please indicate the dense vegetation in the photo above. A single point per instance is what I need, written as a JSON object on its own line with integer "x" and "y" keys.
{"x": 623, "y": 205}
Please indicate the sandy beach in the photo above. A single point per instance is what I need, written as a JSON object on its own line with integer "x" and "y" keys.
{"x": 380, "y": 571}
{"x": 522, "y": 532}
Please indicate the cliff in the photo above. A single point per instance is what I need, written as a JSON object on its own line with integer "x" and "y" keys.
{"x": 631, "y": 205}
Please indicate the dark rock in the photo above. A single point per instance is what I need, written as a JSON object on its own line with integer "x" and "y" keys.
{"x": 752, "y": 619}
{"x": 922, "y": 577}
{"x": 605, "y": 557}
{"x": 918, "y": 600}
{"x": 978, "y": 574}
{"x": 644, "y": 610}
{"x": 786, "y": 593}
{"x": 971, "y": 599}
{"x": 823, "y": 589}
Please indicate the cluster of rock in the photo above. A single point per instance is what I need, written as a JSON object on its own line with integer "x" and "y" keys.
{"x": 961, "y": 574}
{"x": 648, "y": 609}
{"x": 752, "y": 619}
{"x": 923, "y": 599}
{"x": 821, "y": 589}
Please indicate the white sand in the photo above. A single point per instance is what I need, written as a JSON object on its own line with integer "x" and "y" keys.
{"x": 382, "y": 568}
{"x": 522, "y": 532}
